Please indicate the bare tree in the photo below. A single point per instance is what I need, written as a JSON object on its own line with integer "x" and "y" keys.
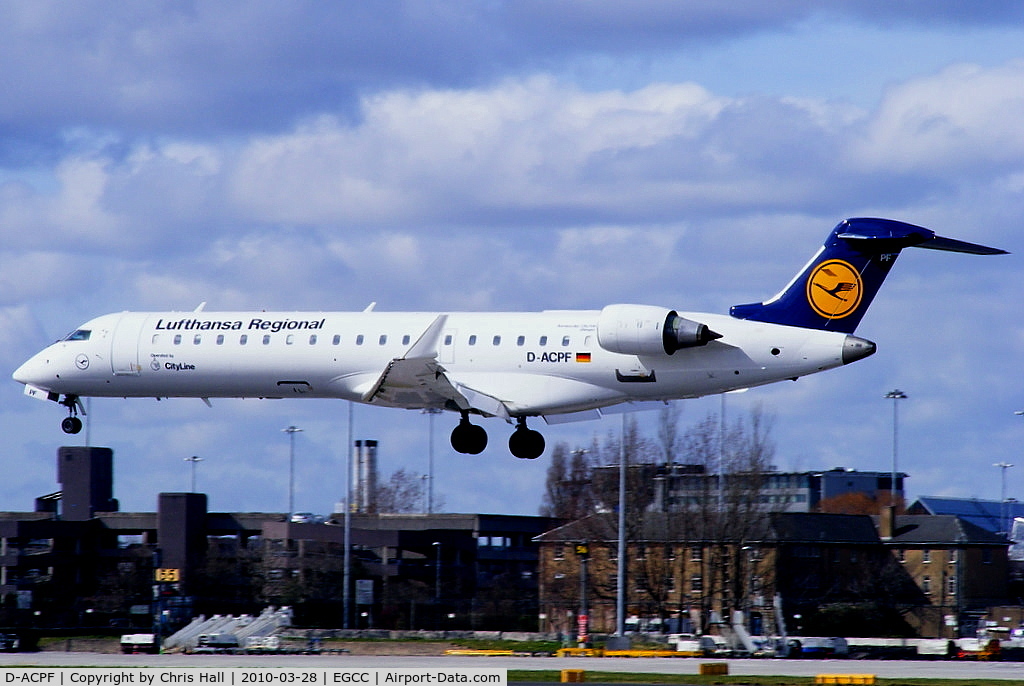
{"x": 668, "y": 431}
{"x": 567, "y": 490}
{"x": 695, "y": 511}
{"x": 404, "y": 492}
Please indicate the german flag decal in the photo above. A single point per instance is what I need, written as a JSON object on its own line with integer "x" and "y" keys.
{"x": 583, "y": 357}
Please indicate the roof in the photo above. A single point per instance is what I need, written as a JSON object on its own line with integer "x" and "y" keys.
{"x": 789, "y": 527}
{"x": 816, "y": 527}
{"x": 986, "y": 514}
{"x": 482, "y": 524}
{"x": 940, "y": 530}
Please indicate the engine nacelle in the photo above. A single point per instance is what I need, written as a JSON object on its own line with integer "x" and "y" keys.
{"x": 649, "y": 330}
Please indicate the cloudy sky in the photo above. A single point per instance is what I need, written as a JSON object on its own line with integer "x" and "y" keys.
{"x": 518, "y": 155}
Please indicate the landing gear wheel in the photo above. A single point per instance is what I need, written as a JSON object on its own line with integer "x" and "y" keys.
{"x": 467, "y": 438}
{"x": 526, "y": 443}
{"x": 71, "y": 425}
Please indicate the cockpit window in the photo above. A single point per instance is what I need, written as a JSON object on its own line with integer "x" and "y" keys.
{"x": 80, "y": 335}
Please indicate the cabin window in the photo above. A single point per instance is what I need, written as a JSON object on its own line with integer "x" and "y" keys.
{"x": 543, "y": 340}
{"x": 405, "y": 339}
{"x": 521, "y": 341}
{"x": 289, "y": 339}
{"x": 243, "y": 339}
{"x": 156, "y": 338}
{"x": 359, "y": 339}
{"x": 312, "y": 339}
{"x": 220, "y": 339}
{"x": 496, "y": 340}
{"x": 472, "y": 339}
{"x": 197, "y": 339}
{"x": 177, "y": 339}
{"x": 266, "y": 339}
{"x": 383, "y": 339}
{"x": 448, "y": 339}
{"x": 565, "y": 341}
{"x": 336, "y": 340}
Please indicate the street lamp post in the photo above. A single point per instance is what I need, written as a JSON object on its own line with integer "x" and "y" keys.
{"x": 346, "y": 592}
{"x": 193, "y": 460}
{"x": 895, "y": 395}
{"x": 620, "y": 585}
{"x": 431, "y": 413}
{"x": 291, "y": 431}
{"x": 583, "y": 620}
{"x": 437, "y": 571}
{"x": 437, "y": 581}
{"x": 1004, "y": 525}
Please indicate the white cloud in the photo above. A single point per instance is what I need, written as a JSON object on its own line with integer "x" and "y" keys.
{"x": 966, "y": 117}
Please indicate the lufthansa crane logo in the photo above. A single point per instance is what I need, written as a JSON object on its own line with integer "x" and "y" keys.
{"x": 834, "y": 289}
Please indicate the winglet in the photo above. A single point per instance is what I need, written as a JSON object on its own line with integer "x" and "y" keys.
{"x": 426, "y": 345}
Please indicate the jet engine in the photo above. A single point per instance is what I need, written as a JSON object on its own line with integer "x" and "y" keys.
{"x": 649, "y": 330}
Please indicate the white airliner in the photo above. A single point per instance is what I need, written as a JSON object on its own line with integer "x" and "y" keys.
{"x": 559, "y": 365}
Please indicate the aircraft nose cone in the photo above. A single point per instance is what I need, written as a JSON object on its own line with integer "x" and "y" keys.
{"x": 856, "y": 348}
{"x": 21, "y": 374}
{"x": 31, "y": 372}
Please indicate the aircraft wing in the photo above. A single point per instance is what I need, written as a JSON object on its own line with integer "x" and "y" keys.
{"x": 418, "y": 379}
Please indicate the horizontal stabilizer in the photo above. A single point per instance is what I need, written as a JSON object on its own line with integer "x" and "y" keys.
{"x": 953, "y": 245}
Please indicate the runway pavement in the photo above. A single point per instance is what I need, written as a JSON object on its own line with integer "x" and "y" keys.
{"x": 940, "y": 669}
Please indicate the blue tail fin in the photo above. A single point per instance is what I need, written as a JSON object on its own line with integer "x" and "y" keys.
{"x": 836, "y": 287}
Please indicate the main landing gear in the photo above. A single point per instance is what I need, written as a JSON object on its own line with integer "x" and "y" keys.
{"x": 467, "y": 438}
{"x": 71, "y": 424}
{"x": 471, "y": 439}
{"x": 525, "y": 443}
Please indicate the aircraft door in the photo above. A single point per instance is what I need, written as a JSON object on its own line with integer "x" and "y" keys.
{"x": 124, "y": 345}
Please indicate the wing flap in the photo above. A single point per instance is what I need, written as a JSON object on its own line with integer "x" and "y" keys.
{"x": 416, "y": 378}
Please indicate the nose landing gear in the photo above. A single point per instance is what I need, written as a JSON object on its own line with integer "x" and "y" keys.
{"x": 72, "y": 424}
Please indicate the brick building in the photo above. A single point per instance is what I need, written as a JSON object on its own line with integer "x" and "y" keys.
{"x": 820, "y": 574}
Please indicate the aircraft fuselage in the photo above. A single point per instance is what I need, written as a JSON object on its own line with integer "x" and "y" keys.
{"x": 534, "y": 363}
